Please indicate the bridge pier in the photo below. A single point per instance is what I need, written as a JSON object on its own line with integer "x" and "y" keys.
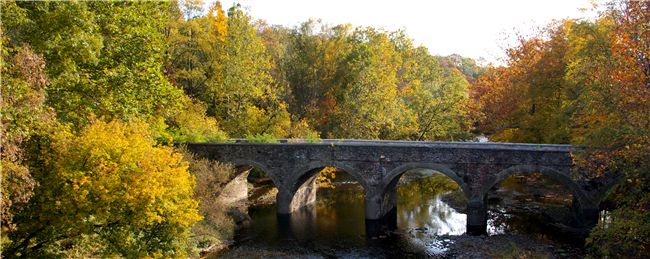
{"x": 381, "y": 210}
{"x": 283, "y": 201}
{"x": 380, "y": 203}
{"x": 477, "y": 217}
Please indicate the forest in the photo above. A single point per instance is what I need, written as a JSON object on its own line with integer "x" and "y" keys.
{"x": 94, "y": 94}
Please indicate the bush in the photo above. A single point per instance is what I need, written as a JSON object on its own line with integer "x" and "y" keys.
{"x": 626, "y": 233}
{"x": 216, "y": 226}
{"x": 261, "y": 138}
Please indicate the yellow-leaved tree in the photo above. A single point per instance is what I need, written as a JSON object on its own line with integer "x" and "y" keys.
{"x": 107, "y": 191}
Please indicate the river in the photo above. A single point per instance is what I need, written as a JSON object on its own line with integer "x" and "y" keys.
{"x": 429, "y": 221}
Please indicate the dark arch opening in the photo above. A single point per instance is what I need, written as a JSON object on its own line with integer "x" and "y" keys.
{"x": 428, "y": 202}
{"x": 537, "y": 204}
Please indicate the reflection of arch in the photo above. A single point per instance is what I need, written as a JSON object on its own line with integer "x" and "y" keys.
{"x": 307, "y": 172}
{"x": 549, "y": 172}
{"x": 394, "y": 175}
{"x": 244, "y": 162}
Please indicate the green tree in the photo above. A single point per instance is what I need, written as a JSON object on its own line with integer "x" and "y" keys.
{"x": 438, "y": 98}
{"x": 104, "y": 58}
{"x": 192, "y": 124}
{"x": 242, "y": 93}
{"x": 192, "y": 55}
{"x": 312, "y": 67}
{"x": 368, "y": 103}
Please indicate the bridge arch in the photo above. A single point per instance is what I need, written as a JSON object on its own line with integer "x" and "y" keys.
{"x": 302, "y": 188}
{"x": 394, "y": 175}
{"x": 304, "y": 173}
{"x": 238, "y": 163}
{"x": 556, "y": 175}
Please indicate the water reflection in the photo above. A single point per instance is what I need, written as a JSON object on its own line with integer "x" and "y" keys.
{"x": 435, "y": 215}
{"x": 428, "y": 209}
{"x": 533, "y": 205}
{"x": 420, "y": 204}
{"x": 337, "y": 220}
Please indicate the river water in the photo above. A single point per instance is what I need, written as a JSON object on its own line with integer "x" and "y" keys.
{"x": 335, "y": 226}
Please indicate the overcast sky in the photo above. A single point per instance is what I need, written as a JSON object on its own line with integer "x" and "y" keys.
{"x": 476, "y": 29}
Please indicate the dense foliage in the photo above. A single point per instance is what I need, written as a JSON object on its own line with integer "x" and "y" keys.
{"x": 107, "y": 191}
{"x": 94, "y": 93}
{"x": 586, "y": 83}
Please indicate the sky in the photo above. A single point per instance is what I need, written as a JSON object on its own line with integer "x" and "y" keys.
{"x": 472, "y": 28}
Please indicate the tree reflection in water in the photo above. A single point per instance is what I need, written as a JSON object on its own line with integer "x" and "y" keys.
{"x": 534, "y": 205}
{"x": 429, "y": 206}
{"x": 420, "y": 204}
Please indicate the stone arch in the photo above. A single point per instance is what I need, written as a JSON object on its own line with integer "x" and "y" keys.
{"x": 304, "y": 173}
{"x": 301, "y": 190}
{"x": 394, "y": 175}
{"x": 245, "y": 162}
{"x": 554, "y": 174}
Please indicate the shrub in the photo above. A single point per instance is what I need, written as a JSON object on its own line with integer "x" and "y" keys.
{"x": 261, "y": 138}
{"x": 216, "y": 226}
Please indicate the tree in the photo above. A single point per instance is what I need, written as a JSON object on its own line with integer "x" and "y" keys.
{"x": 192, "y": 56}
{"x": 617, "y": 120}
{"x": 312, "y": 69}
{"x": 193, "y": 125}
{"x": 586, "y": 83}
{"x": 108, "y": 191}
{"x": 368, "y": 102}
{"x": 24, "y": 115}
{"x": 438, "y": 98}
{"x": 528, "y": 101}
{"x": 104, "y": 58}
{"x": 241, "y": 93}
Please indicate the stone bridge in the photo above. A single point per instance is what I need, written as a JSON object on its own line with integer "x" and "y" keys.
{"x": 378, "y": 165}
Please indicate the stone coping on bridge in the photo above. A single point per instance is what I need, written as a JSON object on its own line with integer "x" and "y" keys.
{"x": 405, "y": 143}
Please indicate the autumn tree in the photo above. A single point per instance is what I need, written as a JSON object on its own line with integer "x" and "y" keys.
{"x": 528, "y": 101}
{"x": 586, "y": 83}
{"x": 24, "y": 116}
{"x": 108, "y": 191}
{"x": 617, "y": 121}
